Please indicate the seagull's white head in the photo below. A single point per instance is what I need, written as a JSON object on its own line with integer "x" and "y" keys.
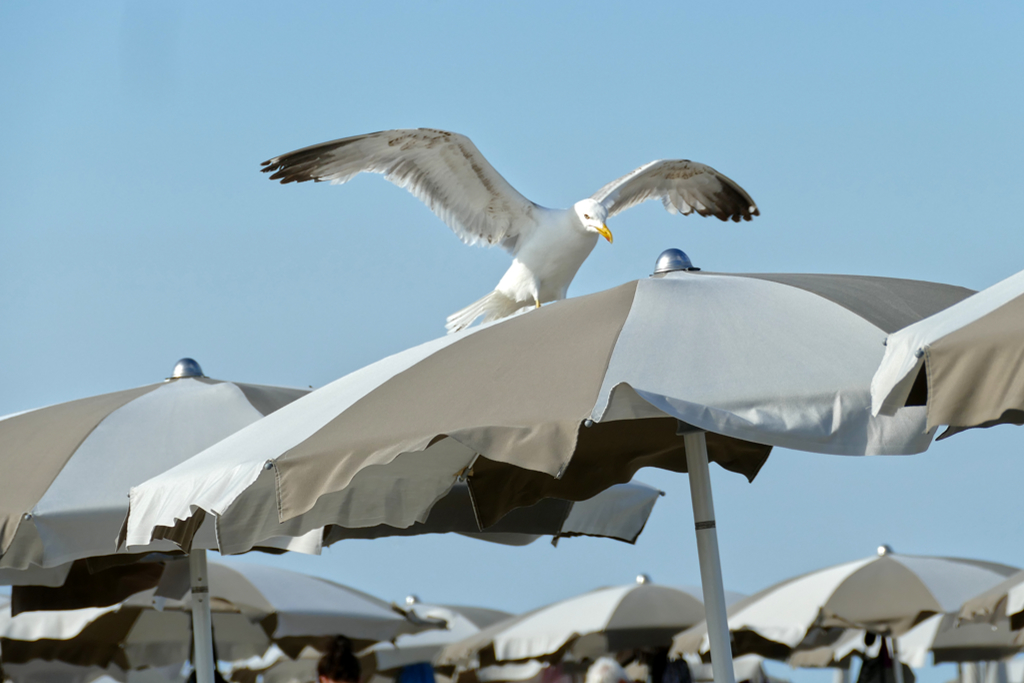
{"x": 592, "y": 215}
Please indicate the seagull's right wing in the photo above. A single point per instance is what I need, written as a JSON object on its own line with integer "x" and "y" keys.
{"x": 444, "y": 170}
{"x": 683, "y": 186}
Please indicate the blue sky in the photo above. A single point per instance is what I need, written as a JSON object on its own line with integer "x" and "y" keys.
{"x": 135, "y": 227}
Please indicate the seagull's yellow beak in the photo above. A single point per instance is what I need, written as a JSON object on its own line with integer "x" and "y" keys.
{"x": 605, "y": 233}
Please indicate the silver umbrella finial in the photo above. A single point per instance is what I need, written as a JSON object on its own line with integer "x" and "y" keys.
{"x": 672, "y": 260}
{"x": 643, "y": 579}
{"x": 411, "y": 600}
{"x": 884, "y": 549}
{"x": 186, "y": 367}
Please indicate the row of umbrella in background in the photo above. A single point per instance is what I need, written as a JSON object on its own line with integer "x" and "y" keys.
{"x": 816, "y": 619}
{"x": 668, "y": 372}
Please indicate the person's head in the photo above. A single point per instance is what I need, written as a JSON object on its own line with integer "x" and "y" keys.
{"x": 339, "y": 664}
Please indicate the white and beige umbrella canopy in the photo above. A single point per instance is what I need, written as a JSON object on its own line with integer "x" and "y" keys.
{"x": 602, "y": 621}
{"x": 68, "y": 467}
{"x": 76, "y": 462}
{"x": 253, "y": 605}
{"x": 561, "y": 402}
{"x": 887, "y": 594}
{"x": 965, "y": 363}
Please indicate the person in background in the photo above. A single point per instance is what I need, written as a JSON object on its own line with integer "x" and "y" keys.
{"x": 339, "y": 664}
{"x": 607, "y": 670}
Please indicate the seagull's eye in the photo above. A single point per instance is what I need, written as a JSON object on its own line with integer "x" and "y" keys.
{"x": 587, "y": 216}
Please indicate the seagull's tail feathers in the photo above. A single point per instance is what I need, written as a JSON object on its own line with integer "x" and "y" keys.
{"x": 494, "y": 306}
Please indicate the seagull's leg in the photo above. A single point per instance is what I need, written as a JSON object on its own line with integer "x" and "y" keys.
{"x": 536, "y": 301}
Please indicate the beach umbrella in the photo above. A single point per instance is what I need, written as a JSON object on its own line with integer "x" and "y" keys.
{"x": 462, "y": 621}
{"x": 563, "y": 401}
{"x": 252, "y": 605}
{"x": 68, "y": 467}
{"x": 965, "y": 363}
{"x": 75, "y": 462}
{"x": 886, "y": 594}
{"x": 602, "y": 621}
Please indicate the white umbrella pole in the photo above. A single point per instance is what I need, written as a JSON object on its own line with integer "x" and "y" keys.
{"x": 202, "y": 621}
{"x": 897, "y": 665}
{"x": 707, "y": 552}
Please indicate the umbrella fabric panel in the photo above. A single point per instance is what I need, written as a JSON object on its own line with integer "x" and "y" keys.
{"x": 953, "y": 580}
{"x": 85, "y": 504}
{"x": 805, "y": 380}
{"x": 125, "y": 637}
{"x": 31, "y": 447}
{"x": 131, "y": 436}
{"x": 897, "y": 597}
{"x": 635, "y": 611}
{"x": 889, "y": 304}
{"x": 617, "y": 512}
{"x": 547, "y": 630}
{"x": 976, "y": 374}
{"x": 606, "y": 452}
{"x": 532, "y": 421}
{"x": 910, "y": 349}
{"x": 291, "y": 604}
{"x": 310, "y": 606}
{"x": 783, "y": 612}
{"x": 889, "y": 593}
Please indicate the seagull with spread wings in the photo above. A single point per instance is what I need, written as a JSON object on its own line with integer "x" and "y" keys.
{"x": 447, "y": 173}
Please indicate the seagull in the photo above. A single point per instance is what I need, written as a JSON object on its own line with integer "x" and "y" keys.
{"x": 449, "y": 174}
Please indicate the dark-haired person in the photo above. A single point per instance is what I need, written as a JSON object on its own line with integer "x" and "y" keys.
{"x": 339, "y": 664}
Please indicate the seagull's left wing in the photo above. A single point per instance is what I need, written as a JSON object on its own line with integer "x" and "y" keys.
{"x": 443, "y": 169}
{"x": 683, "y": 187}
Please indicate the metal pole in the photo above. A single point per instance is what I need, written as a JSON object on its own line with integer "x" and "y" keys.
{"x": 707, "y": 552}
{"x": 202, "y": 621}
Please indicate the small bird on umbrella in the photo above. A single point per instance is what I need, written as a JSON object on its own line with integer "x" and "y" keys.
{"x": 447, "y": 172}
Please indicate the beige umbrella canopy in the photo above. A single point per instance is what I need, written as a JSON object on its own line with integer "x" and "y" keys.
{"x": 965, "y": 363}
{"x": 887, "y": 594}
{"x": 68, "y": 467}
{"x": 252, "y": 605}
{"x": 562, "y": 402}
{"x": 602, "y": 621}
